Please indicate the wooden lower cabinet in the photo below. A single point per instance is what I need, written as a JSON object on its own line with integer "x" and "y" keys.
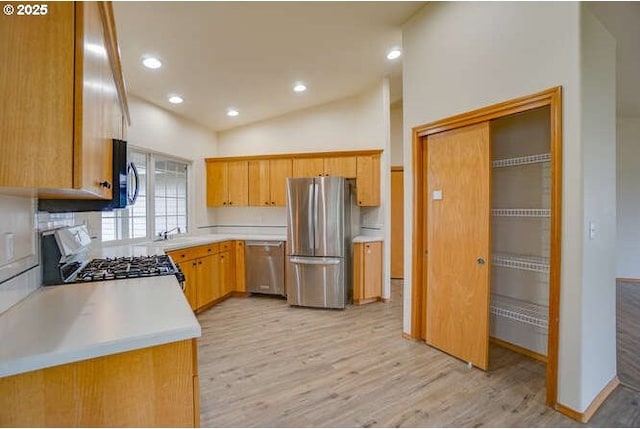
{"x": 210, "y": 272}
{"x": 367, "y": 272}
{"x": 150, "y": 387}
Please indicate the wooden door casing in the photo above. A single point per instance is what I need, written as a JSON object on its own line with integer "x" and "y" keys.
{"x": 397, "y": 223}
{"x": 458, "y": 234}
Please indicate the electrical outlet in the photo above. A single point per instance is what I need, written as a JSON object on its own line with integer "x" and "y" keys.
{"x": 8, "y": 246}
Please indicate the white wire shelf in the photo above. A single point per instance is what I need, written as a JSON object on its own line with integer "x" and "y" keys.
{"x": 521, "y": 262}
{"x": 522, "y": 311}
{"x": 521, "y": 160}
{"x": 521, "y": 212}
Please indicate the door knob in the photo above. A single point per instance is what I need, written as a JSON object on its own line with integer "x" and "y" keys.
{"x": 480, "y": 261}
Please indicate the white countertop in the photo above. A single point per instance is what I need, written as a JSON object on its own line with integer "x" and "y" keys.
{"x": 62, "y": 324}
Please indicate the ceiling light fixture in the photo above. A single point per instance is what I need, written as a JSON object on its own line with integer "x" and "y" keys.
{"x": 394, "y": 53}
{"x": 175, "y": 99}
{"x": 232, "y": 112}
{"x": 299, "y": 87}
{"x": 151, "y": 62}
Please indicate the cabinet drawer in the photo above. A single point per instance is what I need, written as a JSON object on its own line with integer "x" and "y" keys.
{"x": 182, "y": 255}
{"x": 207, "y": 249}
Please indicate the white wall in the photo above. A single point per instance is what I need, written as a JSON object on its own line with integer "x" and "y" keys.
{"x": 598, "y": 135}
{"x": 159, "y": 130}
{"x": 396, "y": 133}
{"x": 355, "y": 123}
{"x": 628, "y": 246}
{"x": 454, "y": 62}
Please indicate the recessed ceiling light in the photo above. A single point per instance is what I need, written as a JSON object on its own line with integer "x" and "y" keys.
{"x": 232, "y": 112}
{"x": 299, "y": 87}
{"x": 151, "y": 62}
{"x": 394, "y": 53}
{"x": 175, "y": 99}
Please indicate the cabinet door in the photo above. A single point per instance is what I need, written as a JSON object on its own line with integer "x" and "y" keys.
{"x": 458, "y": 228}
{"x": 95, "y": 105}
{"x": 238, "y": 183}
{"x": 259, "y": 192}
{"x": 240, "y": 267}
{"x": 368, "y": 180}
{"x": 344, "y": 166}
{"x": 217, "y": 193}
{"x": 206, "y": 282}
{"x": 279, "y": 170}
{"x": 227, "y": 273}
{"x": 372, "y": 267}
{"x": 36, "y": 107}
{"x": 358, "y": 272}
{"x": 189, "y": 269}
{"x": 308, "y": 167}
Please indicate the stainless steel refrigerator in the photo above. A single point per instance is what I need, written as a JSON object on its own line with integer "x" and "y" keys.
{"x": 321, "y": 219}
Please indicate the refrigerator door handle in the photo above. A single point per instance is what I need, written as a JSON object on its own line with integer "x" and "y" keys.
{"x": 311, "y": 220}
{"x": 315, "y": 261}
{"x": 316, "y": 237}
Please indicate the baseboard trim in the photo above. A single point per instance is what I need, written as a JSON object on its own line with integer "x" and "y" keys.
{"x": 385, "y": 300}
{"x": 627, "y": 280}
{"x": 593, "y": 407}
{"x": 515, "y": 348}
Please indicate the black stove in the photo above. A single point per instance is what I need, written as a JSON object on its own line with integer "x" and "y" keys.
{"x": 65, "y": 260}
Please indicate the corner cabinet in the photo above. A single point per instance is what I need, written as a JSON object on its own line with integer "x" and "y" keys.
{"x": 259, "y": 181}
{"x": 63, "y": 100}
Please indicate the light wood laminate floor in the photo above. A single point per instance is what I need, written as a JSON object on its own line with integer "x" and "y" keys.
{"x": 265, "y": 364}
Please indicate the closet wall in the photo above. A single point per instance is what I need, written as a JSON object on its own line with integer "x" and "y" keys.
{"x": 520, "y": 229}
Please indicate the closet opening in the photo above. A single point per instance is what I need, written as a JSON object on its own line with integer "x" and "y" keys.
{"x": 492, "y": 274}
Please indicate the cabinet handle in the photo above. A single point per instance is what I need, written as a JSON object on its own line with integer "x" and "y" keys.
{"x": 266, "y": 203}
{"x": 359, "y": 202}
{"x": 199, "y": 262}
{"x": 106, "y": 184}
{"x": 182, "y": 256}
{"x": 273, "y": 203}
{"x": 208, "y": 250}
{"x": 230, "y": 202}
{"x": 224, "y": 203}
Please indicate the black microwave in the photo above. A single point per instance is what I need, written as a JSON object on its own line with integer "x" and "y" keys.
{"x": 126, "y": 185}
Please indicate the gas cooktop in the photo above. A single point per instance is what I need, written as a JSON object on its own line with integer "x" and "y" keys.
{"x": 126, "y": 268}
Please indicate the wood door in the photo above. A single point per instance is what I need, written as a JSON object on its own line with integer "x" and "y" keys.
{"x": 217, "y": 188}
{"x": 94, "y": 105}
{"x": 279, "y": 170}
{"x": 458, "y": 287}
{"x": 36, "y": 107}
{"x": 368, "y": 180}
{"x": 344, "y": 166}
{"x": 227, "y": 273}
{"x": 238, "y": 183}
{"x": 259, "y": 189}
{"x": 240, "y": 267}
{"x": 308, "y": 167}
{"x": 372, "y": 285}
{"x": 189, "y": 269}
{"x": 397, "y": 224}
{"x": 206, "y": 280}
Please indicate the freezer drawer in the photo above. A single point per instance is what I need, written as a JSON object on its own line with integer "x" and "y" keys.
{"x": 265, "y": 267}
{"x": 316, "y": 282}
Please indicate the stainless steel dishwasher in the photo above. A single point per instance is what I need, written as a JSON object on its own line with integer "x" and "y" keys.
{"x": 264, "y": 261}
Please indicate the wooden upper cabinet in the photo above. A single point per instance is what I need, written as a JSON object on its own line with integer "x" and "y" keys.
{"x": 344, "y": 166}
{"x": 238, "y": 183}
{"x": 63, "y": 100}
{"x": 227, "y": 183}
{"x": 217, "y": 183}
{"x": 267, "y": 181}
{"x": 368, "y": 180}
{"x": 308, "y": 167}
{"x": 259, "y": 185}
{"x": 279, "y": 170}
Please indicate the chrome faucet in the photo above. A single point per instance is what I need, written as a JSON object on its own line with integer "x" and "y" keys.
{"x": 165, "y": 234}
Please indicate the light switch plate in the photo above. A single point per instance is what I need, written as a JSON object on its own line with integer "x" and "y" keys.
{"x": 592, "y": 230}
